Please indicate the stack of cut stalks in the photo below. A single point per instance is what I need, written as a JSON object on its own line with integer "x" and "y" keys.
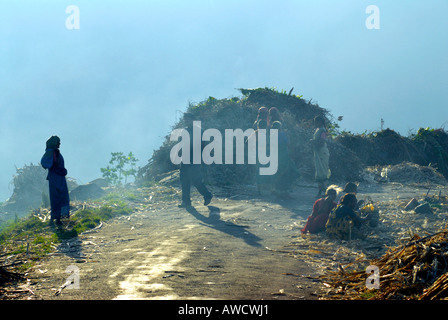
{"x": 417, "y": 270}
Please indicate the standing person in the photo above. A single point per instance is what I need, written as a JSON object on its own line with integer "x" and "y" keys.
{"x": 274, "y": 115}
{"x": 321, "y": 155}
{"x": 263, "y": 181}
{"x": 263, "y": 115}
{"x": 192, "y": 174}
{"x": 321, "y": 210}
{"x": 287, "y": 172}
{"x": 59, "y": 198}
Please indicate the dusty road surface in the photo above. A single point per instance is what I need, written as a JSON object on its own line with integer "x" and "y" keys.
{"x": 231, "y": 249}
{"x": 241, "y": 246}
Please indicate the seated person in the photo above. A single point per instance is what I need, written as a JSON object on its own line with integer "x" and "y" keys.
{"x": 351, "y": 187}
{"x": 321, "y": 210}
{"x": 343, "y": 222}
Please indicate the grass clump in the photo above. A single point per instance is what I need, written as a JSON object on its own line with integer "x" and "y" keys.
{"x": 89, "y": 218}
{"x": 28, "y": 239}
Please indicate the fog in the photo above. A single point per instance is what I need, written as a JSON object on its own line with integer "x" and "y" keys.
{"x": 119, "y": 81}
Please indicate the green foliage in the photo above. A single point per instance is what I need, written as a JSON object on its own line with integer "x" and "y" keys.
{"x": 31, "y": 233}
{"x": 87, "y": 219}
{"x": 272, "y": 90}
{"x": 120, "y": 166}
{"x": 22, "y": 228}
{"x": 424, "y": 133}
{"x": 333, "y": 129}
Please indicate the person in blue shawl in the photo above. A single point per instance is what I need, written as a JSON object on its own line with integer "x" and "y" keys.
{"x": 54, "y": 162}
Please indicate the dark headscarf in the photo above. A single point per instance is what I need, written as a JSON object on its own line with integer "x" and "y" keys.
{"x": 53, "y": 142}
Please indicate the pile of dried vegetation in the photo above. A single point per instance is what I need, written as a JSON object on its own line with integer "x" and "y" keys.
{"x": 405, "y": 172}
{"x": 416, "y": 270}
{"x": 428, "y": 147}
{"x": 240, "y": 113}
{"x": 349, "y": 153}
{"x": 409, "y": 248}
{"x": 30, "y": 189}
{"x": 30, "y": 192}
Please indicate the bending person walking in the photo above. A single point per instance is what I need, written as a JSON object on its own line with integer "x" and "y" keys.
{"x": 192, "y": 174}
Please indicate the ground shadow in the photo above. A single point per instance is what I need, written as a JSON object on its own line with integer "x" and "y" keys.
{"x": 235, "y": 230}
{"x": 69, "y": 243}
{"x": 299, "y": 201}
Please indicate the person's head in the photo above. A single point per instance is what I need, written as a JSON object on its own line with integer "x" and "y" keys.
{"x": 274, "y": 115}
{"x": 351, "y": 187}
{"x": 330, "y": 194}
{"x": 53, "y": 142}
{"x": 263, "y": 113}
{"x": 262, "y": 124}
{"x": 277, "y": 125}
{"x": 319, "y": 121}
{"x": 349, "y": 200}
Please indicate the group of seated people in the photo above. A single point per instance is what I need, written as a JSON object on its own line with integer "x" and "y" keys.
{"x": 339, "y": 219}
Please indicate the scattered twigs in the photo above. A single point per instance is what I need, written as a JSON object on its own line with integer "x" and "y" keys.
{"x": 439, "y": 289}
{"x": 65, "y": 285}
{"x": 416, "y": 270}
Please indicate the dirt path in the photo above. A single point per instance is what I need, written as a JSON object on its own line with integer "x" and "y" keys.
{"x": 231, "y": 249}
{"x": 239, "y": 247}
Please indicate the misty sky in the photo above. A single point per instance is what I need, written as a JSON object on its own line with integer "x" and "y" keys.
{"x": 116, "y": 83}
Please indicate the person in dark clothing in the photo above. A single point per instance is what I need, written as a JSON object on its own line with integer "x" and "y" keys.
{"x": 274, "y": 115}
{"x": 321, "y": 155}
{"x": 59, "y": 197}
{"x": 263, "y": 115}
{"x": 321, "y": 210}
{"x": 287, "y": 171}
{"x": 351, "y": 187}
{"x": 343, "y": 222}
{"x": 192, "y": 174}
{"x": 264, "y": 182}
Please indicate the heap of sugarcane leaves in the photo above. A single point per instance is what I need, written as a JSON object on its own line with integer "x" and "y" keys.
{"x": 417, "y": 270}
